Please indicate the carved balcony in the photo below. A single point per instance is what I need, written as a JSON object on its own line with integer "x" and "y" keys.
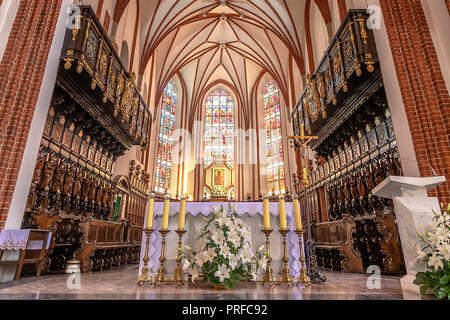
{"x": 94, "y": 76}
{"x": 348, "y": 69}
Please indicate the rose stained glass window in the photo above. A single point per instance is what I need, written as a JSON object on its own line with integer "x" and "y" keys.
{"x": 165, "y": 144}
{"x": 219, "y": 129}
{"x": 274, "y": 142}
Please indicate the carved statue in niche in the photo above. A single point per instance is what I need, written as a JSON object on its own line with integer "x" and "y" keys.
{"x": 99, "y": 196}
{"x": 77, "y": 183}
{"x": 347, "y": 189}
{"x": 85, "y": 188}
{"x": 379, "y": 174}
{"x": 70, "y": 179}
{"x": 369, "y": 178}
{"x": 48, "y": 172}
{"x": 341, "y": 194}
{"x": 362, "y": 188}
{"x": 105, "y": 194}
{"x": 110, "y": 199}
{"x": 58, "y": 177}
{"x": 38, "y": 169}
{"x": 93, "y": 189}
{"x": 354, "y": 187}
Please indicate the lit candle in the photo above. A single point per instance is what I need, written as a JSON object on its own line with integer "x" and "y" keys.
{"x": 150, "y": 205}
{"x": 266, "y": 210}
{"x": 283, "y": 221}
{"x": 165, "y": 218}
{"x": 297, "y": 216}
{"x": 182, "y": 214}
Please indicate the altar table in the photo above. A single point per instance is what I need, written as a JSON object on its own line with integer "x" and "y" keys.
{"x": 251, "y": 213}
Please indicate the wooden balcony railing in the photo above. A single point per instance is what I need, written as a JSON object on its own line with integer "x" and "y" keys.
{"x": 91, "y": 63}
{"x": 350, "y": 59}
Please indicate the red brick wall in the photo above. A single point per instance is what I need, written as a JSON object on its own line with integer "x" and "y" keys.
{"x": 136, "y": 29}
{"x": 119, "y": 9}
{"x": 21, "y": 72}
{"x": 106, "y": 22}
{"x": 99, "y": 9}
{"x": 342, "y": 9}
{"x": 422, "y": 86}
{"x": 309, "y": 45}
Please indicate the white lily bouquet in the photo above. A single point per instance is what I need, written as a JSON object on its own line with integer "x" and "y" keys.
{"x": 434, "y": 249}
{"x": 224, "y": 254}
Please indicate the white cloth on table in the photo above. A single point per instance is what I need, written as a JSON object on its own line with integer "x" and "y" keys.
{"x": 250, "y": 212}
{"x": 205, "y": 208}
{"x": 15, "y": 240}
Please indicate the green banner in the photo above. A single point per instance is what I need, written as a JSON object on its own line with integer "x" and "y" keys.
{"x": 117, "y": 209}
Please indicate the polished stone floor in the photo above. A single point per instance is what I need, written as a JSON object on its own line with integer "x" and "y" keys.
{"x": 121, "y": 285}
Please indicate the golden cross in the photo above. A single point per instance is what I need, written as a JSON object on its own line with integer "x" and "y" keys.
{"x": 304, "y": 140}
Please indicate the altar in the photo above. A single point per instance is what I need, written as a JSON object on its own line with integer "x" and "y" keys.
{"x": 251, "y": 213}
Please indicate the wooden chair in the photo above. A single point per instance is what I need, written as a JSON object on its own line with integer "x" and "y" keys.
{"x": 30, "y": 256}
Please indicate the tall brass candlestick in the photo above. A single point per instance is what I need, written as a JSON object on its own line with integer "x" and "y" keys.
{"x": 303, "y": 277}
{"x": 285, "y": 277}
{"x": 177, "y": 276}
{"x": 161, "y": 276}
{"x": 145, "y": 272}
{"x": 268, "y": 277}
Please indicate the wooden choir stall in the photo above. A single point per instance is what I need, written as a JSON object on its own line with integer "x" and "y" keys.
{"x": 96, "y": 114}
{"x": 344, "y": 104}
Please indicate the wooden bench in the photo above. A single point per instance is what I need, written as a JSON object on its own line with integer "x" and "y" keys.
{"x": 134, "y": 237}
{"x": 30, "y": 256}
{"x": 335, "y": 246}
{"x": 103, "y": 245}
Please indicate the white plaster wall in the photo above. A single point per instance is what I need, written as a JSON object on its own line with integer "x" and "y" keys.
{"x": 8, "y": 12}
{"x": 21, "y": 191}
{"x": 319, "y": 33}
{"x": 438, "y": 21}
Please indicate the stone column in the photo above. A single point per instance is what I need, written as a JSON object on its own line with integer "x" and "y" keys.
{"x": 422, "y": 86}
{"x": 30, "y": 60}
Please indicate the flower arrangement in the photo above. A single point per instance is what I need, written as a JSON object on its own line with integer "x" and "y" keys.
{"x": 434, "y": 250}
{"x": 224, "y": 254}
{"x": 219, "y": 191}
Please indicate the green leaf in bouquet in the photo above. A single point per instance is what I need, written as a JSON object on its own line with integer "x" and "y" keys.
{"x": 228, "y": 283}
{"x": 421, "y": 278}
{"x": 444, "y": 279}
{"x": 423, "y": 289}
{"x": 442, "y": 293}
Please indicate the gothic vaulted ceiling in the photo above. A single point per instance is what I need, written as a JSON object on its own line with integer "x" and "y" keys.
{"x": 233, "y": 41}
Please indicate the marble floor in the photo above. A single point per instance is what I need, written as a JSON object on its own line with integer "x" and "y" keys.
{"x": 121, "y": 285}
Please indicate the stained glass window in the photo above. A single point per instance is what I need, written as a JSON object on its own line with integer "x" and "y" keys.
{"x": 219, "y": 128}
{"x": 165, "y": 144}
{"x": 274, "y": 142}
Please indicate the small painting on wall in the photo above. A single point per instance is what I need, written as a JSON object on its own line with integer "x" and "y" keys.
{"x": 219, "y": 177}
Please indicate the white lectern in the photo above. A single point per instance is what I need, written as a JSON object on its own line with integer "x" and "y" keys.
{"x": 414, "y": 213}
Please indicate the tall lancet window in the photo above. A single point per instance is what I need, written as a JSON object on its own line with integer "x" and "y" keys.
{"x": 274, "y": 142}
{"x": 219, "y": 129}
{"x": 165, "y": 144}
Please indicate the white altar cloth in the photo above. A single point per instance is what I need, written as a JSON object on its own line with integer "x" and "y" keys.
{"x": 250, "y": 212}
{"x": 14, "y": 240}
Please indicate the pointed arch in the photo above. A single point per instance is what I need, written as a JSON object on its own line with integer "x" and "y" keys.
{"x": 219, "y": 128}
{"x": 274, "y": 142}
{"x": 163, "y": 170}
